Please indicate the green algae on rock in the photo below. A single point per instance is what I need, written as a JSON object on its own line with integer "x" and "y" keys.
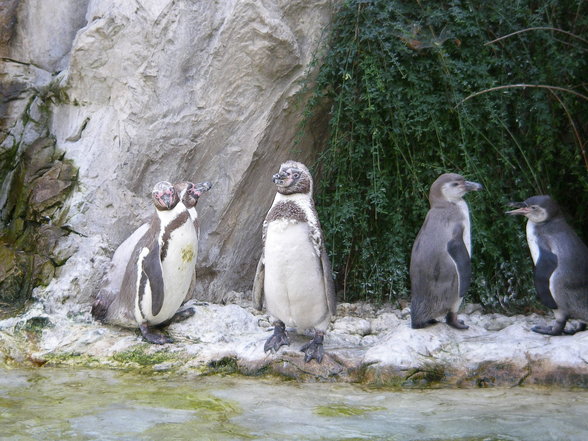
{"x": 345, "y": 410}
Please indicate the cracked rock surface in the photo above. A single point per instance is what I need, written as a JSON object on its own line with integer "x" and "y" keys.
{"x": 364, "y": 344}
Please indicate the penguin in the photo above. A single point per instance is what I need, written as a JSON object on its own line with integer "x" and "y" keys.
{"x": 294, "y": 272}
{"x": 111, "y": 285}
{"x": 189, "y": 195}
{"x": 440, "y": 262}
{"x": 561, "y": 263}
{"x": 158, "y": 272}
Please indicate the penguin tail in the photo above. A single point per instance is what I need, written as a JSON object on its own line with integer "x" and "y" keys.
{"x": 100, "y": 306}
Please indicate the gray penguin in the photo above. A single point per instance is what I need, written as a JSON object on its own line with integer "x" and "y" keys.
{"x": 440, "y": 263}
{"x": 561, "y": 263}
{"x": 158, "y": 271}
{"x": 294, "y": 272}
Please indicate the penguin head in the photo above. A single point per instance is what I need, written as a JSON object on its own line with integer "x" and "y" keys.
{"x": 189, "y": 192}
{"x": 164, "y": 195}
{"x": 293, "y": 177}
{"x": 451, "y": 187}
{"x": 538, "y": 209}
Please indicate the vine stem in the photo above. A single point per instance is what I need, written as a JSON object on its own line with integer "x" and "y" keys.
{"x": 581, "y": 145}
{"x": 538, "y": 28}
{"x": 541, "y": 86}
{"x": 523, "y": 86}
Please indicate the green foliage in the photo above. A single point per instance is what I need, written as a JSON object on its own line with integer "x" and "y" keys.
{"x": 398, "y": 74}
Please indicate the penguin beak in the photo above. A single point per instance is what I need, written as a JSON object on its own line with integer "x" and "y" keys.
{"x": 165, "y": 199}
{"x": 473, "y": 186}
{"x": 522, "y": 208}
{"x": 201, "y": 187}
{"x": 278, "y": 178}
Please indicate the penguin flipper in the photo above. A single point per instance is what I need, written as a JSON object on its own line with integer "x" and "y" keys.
{"x": 329, "y": 282}
{"x": 152, "y": 274}
{"x": 258, "y": 285}
{"x": 543, "y": 270}
{"x": 459, "y": 253}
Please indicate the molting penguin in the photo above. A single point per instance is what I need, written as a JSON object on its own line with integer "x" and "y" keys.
{"x": 294, "y": 272}
{"x": 189, "y": 195}
{"x": 158, "y": 272}
{"x": 561, "y": 263}
{"x": 440, "y": 263}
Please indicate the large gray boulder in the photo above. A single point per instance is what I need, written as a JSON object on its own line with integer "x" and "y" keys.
{"x": 139, "y": 91}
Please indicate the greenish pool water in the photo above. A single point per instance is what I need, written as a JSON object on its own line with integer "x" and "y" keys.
{"x": 77, "y": 404}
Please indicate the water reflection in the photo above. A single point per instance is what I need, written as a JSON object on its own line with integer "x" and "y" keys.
{"x": 66, "y": 404}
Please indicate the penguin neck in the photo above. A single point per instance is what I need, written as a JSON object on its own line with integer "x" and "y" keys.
{"x": 167, "y": 216}
{"x": 170, "y": 220}
{"x": 303, "y": 200}
{"x": 300, "y": 198}
{"x": 193, "y": 213}
{"x": 444, "y": 203}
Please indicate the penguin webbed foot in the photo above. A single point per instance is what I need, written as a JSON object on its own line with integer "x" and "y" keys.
{"x": 155, "y": 338}
{"x": 454, "y": 322}
{"x": 557, "y": 329}
{"x": 183, "y": 315}
{"x": 421, "y": 325}
{"x": 279, "y": 338}
{"x": 314, "y": 348}
{"x": 178, "y": 317}
{"x": 580, "y": 327}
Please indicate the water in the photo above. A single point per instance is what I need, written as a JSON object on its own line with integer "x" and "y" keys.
{"x": 67, "y": 404}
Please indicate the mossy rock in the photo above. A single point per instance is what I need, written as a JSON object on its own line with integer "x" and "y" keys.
{"x": 145, "y": 356}
{"x": 345, "y": 410}
{"x": 41, "y": 183}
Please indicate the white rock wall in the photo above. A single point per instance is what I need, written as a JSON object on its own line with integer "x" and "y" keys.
{"x": 174, "y": 90}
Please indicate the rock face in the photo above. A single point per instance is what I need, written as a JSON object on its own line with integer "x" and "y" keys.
{"x": 28, "y": 248}
{"x": 136, "y": 92}
{"x": 103, "y": 98}
{"x": 363, "y": 344}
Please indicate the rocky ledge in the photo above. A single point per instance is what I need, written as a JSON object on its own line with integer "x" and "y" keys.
{"x": 364, "y": 344}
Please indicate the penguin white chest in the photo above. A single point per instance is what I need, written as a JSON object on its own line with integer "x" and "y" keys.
{"x": 467, "y": 234}
{"x": 293, "y": 285}
{"x": 532, "y": 241}
{"x": 177, "y": 269}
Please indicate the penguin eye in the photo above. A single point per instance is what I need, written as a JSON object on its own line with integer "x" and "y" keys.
{"x": 455, "y": 184}
{"x": 295, "y": 175}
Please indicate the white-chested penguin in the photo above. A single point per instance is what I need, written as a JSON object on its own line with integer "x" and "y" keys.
{"x": 189, "y": 195}
{"x": 561, "y": 263}
{"x": 440, "y": 263}
{"x": 294, "y": 272}
{"x": 158, "y": 272}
